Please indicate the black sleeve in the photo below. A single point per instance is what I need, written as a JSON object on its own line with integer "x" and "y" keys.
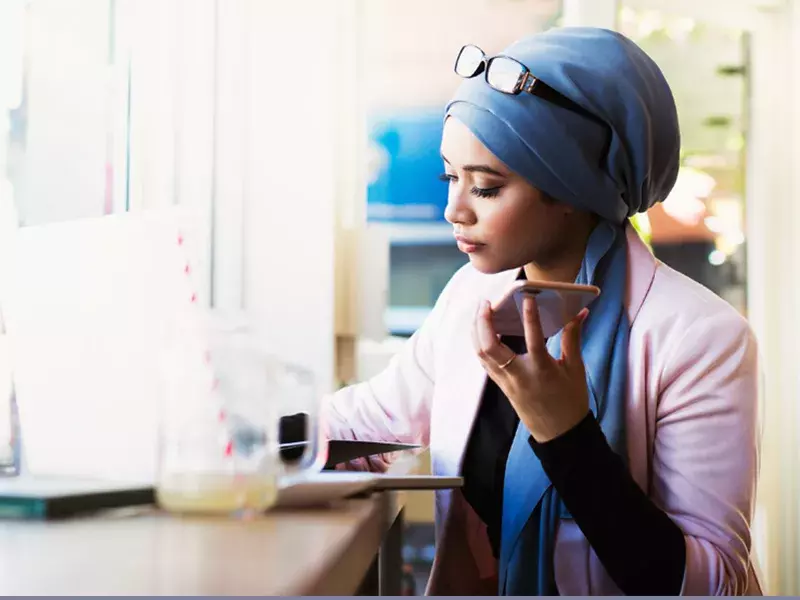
{"x": 641, "y": 548}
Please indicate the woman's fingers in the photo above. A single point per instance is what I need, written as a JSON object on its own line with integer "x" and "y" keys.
{"x": 571, "y": 339}
{"x": 488, "y": 346}
{"x": 534, "y": 338}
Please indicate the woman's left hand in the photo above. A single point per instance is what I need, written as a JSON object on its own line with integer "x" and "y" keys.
{"x": 549, "y": 395}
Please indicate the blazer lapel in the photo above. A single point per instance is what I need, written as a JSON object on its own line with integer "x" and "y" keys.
{"x": 467, "y": 389}
{"x": 466, "y": 378}
{"x": 641, "y": 272}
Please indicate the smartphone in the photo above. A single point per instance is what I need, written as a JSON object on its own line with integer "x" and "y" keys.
{"x": 558, "y": 304}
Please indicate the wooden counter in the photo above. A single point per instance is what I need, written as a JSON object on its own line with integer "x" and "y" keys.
{"x": 146, "y": 552}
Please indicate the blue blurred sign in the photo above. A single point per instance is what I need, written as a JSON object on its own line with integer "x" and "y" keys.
{"x": 404, "y": 169}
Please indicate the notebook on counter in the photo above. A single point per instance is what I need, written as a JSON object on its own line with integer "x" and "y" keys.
{"x": 38, "y": 497}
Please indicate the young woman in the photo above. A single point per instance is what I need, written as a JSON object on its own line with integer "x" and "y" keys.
{"x": 619, "y": 456}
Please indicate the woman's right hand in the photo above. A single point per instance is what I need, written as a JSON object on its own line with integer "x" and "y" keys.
{"x": 374, "y": 464}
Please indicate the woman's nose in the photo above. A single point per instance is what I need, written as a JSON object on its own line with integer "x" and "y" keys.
{"x": 458, "y": 210}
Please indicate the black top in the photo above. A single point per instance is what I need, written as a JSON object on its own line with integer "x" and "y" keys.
{"x": 641, "y": 548}
{"x": 487, "y": 451}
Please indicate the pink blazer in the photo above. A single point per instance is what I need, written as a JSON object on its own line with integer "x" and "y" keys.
{"x": 691, "y": 422}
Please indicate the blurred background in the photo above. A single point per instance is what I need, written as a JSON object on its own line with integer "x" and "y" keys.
{"x": 304, "y": 138}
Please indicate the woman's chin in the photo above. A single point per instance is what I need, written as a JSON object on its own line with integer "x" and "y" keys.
{"x": 486, "y": 265}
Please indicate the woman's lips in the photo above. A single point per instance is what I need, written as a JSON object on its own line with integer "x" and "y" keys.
{"x": 467, "y": 245}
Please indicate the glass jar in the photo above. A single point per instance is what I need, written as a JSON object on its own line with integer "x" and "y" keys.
{"x": 223, "y": 397}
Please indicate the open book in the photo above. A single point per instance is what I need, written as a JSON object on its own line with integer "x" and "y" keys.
{"x": 342, "y": 451}
{"x": 293, "y": 440}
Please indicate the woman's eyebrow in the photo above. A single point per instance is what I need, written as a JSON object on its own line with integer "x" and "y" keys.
{"x": 478, "y": 168}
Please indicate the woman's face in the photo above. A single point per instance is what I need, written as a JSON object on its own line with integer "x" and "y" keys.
{"x": 499, "y": 219}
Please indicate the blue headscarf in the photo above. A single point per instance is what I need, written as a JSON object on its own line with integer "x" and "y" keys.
{"x": 615, "y": 165}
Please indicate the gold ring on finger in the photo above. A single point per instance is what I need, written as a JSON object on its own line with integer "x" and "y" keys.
{"x": 508, "y": 362}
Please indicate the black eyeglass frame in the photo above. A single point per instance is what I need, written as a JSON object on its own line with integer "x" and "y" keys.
{"x": 526, "y": 82}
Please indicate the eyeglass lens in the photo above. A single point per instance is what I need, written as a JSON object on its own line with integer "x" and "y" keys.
{"x": 469, "y": 61}
{"x": 504, "y": 74}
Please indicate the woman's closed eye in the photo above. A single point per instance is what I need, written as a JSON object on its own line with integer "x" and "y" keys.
{"x": 475, "y": 190}
{"x": 486, "y": 192}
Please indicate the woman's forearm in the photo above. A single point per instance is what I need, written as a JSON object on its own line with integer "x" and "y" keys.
{"x": 641, "y": 548}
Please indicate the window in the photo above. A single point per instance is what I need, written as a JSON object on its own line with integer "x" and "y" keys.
{"x": 63, "y": 109}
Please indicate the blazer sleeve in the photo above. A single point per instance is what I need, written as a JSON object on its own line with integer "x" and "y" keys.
{"x": 705, "y": 455}
{"x": 393, "y": 406}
